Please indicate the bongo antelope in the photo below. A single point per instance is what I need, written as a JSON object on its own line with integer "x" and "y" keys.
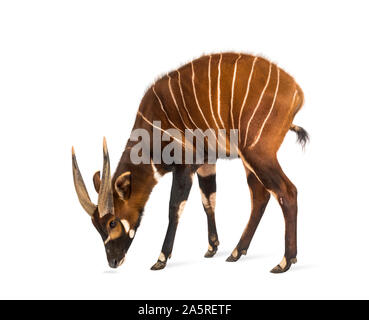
{"x": 219, "y": 91}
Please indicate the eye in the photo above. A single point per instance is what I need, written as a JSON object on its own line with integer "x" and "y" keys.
{"x": 112, "y": 224}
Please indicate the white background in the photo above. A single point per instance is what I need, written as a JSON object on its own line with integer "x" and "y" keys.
{"x": 72, "y": 72}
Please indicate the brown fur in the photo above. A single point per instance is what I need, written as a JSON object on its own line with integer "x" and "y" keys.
{"x": 274, "y": 131}
{"x": 210, "y": 92}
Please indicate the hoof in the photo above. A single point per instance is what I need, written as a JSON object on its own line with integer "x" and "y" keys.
{"x": 236, "y": 255}
{"x": 283, "y": 266}
{"x": 279, "y": 269}
{"x": 159, "y": 265}
{"x": 232, "y": 259}
{"x": 211, "y": 252}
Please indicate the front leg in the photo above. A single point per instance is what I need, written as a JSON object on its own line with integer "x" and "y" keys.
{"x": 181, "y": 186}
{"x": 208, "y": 188}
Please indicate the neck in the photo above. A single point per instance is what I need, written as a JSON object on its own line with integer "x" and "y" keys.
{"x": 144, "y": 177}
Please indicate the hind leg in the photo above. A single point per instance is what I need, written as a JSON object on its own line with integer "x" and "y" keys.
{"x": 259, "y": 200}
{"x": 270, "y": 174}
{"x": 207, "y": 181}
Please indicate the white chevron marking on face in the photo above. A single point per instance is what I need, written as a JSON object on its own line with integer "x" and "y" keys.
{"x": 107, "y": 240}
{"x": 126, "y": 225}
{"x": 132, "y": 233}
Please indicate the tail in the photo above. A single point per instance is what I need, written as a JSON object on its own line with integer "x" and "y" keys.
{"x": 302, "y": 135}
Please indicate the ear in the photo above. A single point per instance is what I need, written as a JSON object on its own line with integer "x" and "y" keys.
{"x": 97, "y": 181}
{"x": 123, "y": 185}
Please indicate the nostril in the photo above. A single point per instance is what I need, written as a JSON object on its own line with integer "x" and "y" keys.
{"x": 113, "y": 263}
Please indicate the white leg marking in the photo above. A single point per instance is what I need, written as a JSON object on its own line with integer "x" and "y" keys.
{"x": 235, "y": 253}
{"x": 126, "y": 225}
{"x": 233, "y": 82}
{"x": 156, "y": 173}
{"x": 269, "y": 113}
{"x": 258, "y": 104}
{"x": 208, "y": 202}
{"x": 218, "y": 90}
{"x": 246, "y": 94}
{"x": 283, "y": 263}
{"x": 166, "y": 114}
{"x": 181, "y": 208}
{"x": 212, "y": 200}
{"x": 206, "y": 170}
{"x": 204, "y": 200}
{"x": 210, "y": 95}
{"x": 174, "y": 100}
{"x": 162, "y": 257}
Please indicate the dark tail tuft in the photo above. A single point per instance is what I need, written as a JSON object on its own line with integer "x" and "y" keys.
{"x": 302, "y": 135}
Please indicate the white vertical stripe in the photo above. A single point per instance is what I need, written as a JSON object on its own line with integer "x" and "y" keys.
{"x": 294, "y": 97}
{"x": 166, "y": 114}
{"x": 210, "y": 95}
{"x": 194, "y": 92}
{"x": 174, "y": 100}
{"x": 246, "y": 95}
{"x": 218, "y": 90}
{"x": 270, "y": 111}
{"x": 233, "y": 82}
{"x": 151, "y": 124}
{"x": 183, "y": 100}
{"x": 258, "y": 105}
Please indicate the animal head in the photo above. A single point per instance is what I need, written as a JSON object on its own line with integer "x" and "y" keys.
{"x": 117, "y": 233}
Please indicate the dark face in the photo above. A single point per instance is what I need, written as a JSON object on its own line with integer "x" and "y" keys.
{"x": 117, "y": 239}
{"x": 113, "y": 202}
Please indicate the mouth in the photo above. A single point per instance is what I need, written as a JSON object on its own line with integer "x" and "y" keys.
{"x": 115, "y": 263}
